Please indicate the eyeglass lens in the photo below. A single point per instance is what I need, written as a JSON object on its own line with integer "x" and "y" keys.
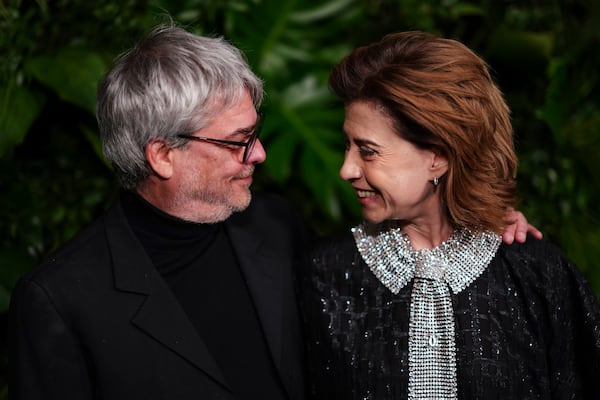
{"x": 250, "y": 146}
{"x": 254, "y": 137}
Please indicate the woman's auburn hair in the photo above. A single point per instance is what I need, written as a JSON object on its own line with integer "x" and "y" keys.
{"x": 440, "y": 96}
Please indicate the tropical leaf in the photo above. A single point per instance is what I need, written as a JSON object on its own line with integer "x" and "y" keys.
{"x": 73, "y": 74}
{"x": 19, "y": 107}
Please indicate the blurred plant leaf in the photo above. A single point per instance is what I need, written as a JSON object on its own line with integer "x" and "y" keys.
{"x": 19, "y": 107}
{"x": 73, "y": 74}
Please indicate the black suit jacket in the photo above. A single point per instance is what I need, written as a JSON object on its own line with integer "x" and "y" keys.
{"x": 97, "y": 321}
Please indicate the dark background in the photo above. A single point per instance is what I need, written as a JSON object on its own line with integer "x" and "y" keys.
{"x": 54, "y": 179}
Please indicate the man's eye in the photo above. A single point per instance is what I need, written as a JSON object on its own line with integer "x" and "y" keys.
{"x": 243, "y": 137}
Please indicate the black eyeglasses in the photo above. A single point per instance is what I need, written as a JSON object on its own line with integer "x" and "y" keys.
{"x": 248, "y": 146}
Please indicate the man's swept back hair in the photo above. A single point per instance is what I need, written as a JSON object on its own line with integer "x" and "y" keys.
{"x": 171, "y": 82}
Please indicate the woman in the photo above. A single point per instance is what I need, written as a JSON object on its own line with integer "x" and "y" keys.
{"x": 422, "y": 300}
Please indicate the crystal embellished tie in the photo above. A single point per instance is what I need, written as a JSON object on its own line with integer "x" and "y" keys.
{"x": 431, "y": 346}
{"x": 451, "y": 266}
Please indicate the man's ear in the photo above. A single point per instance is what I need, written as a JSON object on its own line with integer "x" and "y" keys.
{"x": 159, "y": 155}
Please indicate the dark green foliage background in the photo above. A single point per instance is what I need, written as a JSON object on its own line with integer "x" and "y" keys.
{"x": 54, "y": 179}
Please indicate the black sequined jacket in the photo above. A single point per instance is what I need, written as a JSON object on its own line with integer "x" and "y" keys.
{"x": 527, "y": 328}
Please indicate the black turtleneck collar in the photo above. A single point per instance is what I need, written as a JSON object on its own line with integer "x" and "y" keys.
{"x": 171, "y": 243}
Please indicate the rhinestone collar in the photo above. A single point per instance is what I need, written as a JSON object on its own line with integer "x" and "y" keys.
{"x": 453, "y": 265}
{"x": 458, "y": 261}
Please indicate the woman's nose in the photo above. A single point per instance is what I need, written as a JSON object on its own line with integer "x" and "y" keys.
{"x": 350, "y": 170}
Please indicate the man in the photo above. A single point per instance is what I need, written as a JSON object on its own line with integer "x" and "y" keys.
{"x": 184, "y": 288}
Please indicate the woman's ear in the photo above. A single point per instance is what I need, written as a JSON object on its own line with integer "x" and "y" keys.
{"x": 160, "y": 158}
{"x": 439, "y": 165}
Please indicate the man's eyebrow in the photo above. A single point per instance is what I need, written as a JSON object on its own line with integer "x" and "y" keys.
{"x": 243, "y": 131}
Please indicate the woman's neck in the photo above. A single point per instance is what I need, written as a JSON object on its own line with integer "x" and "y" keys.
{"x": 428, "y": 234}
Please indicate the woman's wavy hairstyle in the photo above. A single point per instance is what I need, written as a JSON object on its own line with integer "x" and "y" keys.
{"x": 171, "y": 82}
{"x": 440, "y": 96}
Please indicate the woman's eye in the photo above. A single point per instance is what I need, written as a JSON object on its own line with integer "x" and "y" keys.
{"x": 366, "y": 152}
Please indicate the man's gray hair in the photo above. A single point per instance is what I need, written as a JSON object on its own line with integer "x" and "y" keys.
{"x": 172, "y": 82}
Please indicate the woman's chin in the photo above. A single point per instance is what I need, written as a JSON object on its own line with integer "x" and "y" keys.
{"x": 373, "y": 219}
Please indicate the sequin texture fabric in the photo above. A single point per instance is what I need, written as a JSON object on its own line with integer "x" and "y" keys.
{"x": 526, "y": 327}
{"x": 454, "y": 264}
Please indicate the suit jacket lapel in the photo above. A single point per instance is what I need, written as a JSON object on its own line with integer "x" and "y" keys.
{"x": 263, "y": 273}
{"x": 159, "y": 315}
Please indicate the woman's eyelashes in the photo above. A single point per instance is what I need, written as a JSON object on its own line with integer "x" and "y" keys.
{"x": 366, "y": 152}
